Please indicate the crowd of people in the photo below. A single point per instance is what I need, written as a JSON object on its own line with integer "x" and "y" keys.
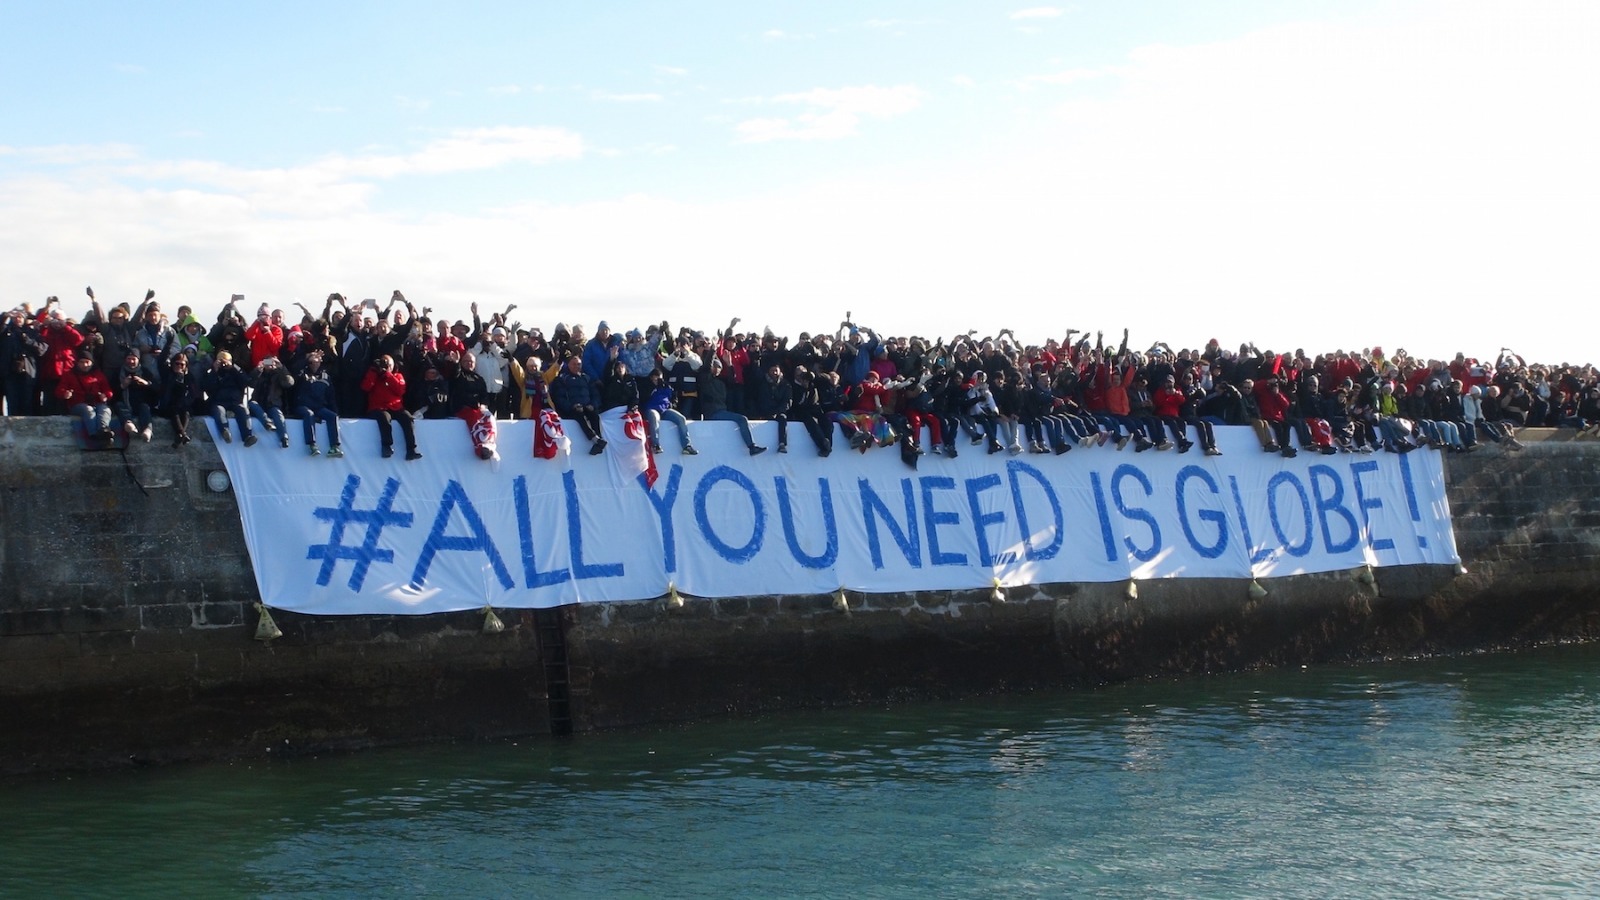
{"x": 119, "y": 370}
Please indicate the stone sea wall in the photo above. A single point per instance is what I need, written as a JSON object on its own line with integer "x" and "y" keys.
{"x": 127, "y": 623}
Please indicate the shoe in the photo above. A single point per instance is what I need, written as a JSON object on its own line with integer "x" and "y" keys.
{"x": 185, "y": 437}
{"x": 1014, "y": 449}
{"x": 783, "y": 448}
{"x": 1186, "y": 446}
{"x": 1516, "y": 444}
{"x": 1290, "y": 453}
{"x": 1122, "y": 442}
{"x": 312, "y": 450}
{"x": 147, "y": 433}
{"x": 1164, "y": 445}
{"x": 283, "y": 441}
{"x": 757, "y": 450}
{"x": 250, "y": 439}
{"x": 994, "y": 448}
{"x": 388, "y": 452}
{"x": 335, "y": 453}
{"x": 1271, "y": 448}
{"x": 937, "y": 450}
{"x": 267, "y": 424}
{"x": 1103, "y": 437}
{"x": 950, "y": 451}
{"x": 655, "y": 446}
{"x": 1037, "y": 447}
{"x": 824, "y": 451}
{"x": 1329, "y": 451}
{"x": 227, "y": 436}
{"x": 1062, "y": 448}
{"x": 977, "y": 439}
{"x": 598, "y": 447}
{"x": 412, "y": 456}
{"x": 1142, "y": 446}
{"x": 690, "y": 451}
{"x": 1212, "y": 451}
{"x": 485, "y": 453}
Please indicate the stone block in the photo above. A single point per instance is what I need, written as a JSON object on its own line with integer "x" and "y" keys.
{"x": 169, "y": 615}
{"x": 39, "y": 646}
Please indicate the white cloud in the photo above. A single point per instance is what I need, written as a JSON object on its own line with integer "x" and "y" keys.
{"x": 962, "y": 81}
{"x": 339, "y": 183}
{"x": 505, "y": 90}
{"x": 831, "y": 114}
{"x": 1038, "y": 12}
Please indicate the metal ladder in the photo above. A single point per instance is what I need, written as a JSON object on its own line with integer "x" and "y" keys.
{"x": 557, "y": 677}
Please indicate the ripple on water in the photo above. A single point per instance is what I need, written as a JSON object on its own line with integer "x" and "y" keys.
{"x": 1464, "y": 777}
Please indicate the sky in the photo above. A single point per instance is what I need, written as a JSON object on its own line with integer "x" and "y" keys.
{"x": 1294, "y": 173}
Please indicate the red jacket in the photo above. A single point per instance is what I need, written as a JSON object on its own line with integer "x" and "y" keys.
{"x": 84, "y": 387}
{"x": 1274, "y": 405}
{"x": 1168, "y": 402}
{"x": 385, "y": 390}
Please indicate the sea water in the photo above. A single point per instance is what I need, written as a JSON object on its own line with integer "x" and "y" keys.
{"x": 1460, "y": 777}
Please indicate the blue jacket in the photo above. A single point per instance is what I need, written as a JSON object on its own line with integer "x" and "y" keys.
{"x": 572, "y": 389}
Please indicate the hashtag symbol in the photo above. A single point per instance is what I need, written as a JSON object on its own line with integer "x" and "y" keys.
{"x": 376, "y": 519}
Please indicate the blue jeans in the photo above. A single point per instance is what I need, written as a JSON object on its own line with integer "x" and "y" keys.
{"x": 310, "y": 417}
{"x": 652, "y": 423}
{"x": 735, "y": 418}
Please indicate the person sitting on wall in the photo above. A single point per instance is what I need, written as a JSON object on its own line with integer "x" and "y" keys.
{"x": 180, "y": 397}
{"x": 773, "y": 401}
{"x": 1272, "y": 426}
{"x": 135, "y": 394}
{"x": 575, "y": 396}
{"x": 225, "y": 385}
{"x": 659, "y": 405}
{"x": 314, "y": 403}
{"x": 808, "y": 408}
{"x": 87, "y": 394}
{"x": 270, "y": 388}
{"x": 386, "y": 390}
{"x": 714, "y": 408}
{"x": 469, "y": 401}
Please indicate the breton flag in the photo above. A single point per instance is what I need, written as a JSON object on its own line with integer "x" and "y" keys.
{"x": 630, "y": 457}
{"x": 549, "y": 438}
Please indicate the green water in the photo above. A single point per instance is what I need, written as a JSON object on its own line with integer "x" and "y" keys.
{"x": 1472, "y": 777}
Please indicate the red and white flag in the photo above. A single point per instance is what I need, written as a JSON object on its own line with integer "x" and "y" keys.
{"x": 630, "y": 456}
{"x": 549, "y": 438}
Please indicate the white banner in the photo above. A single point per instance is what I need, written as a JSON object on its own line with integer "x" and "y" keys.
{"x": 363, "y": 534}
